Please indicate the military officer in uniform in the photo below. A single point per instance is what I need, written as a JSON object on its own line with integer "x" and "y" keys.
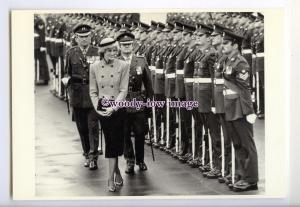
{"x": 239, "y": 111}
{"x": 78, "y": 60}
{"x": 136, "y": 118}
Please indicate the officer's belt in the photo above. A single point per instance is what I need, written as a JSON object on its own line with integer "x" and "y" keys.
{"x": 159, "y": 71}
{"x": 229, "y": 92}
{"x": 179, "y": 71}
{"x": 80, "y": 80}
{"x": 171, "y": 75}
{"x": 246, "y": 51}
{"x": 219, "y": 81}
{"x": 59, "y": 40}
{"x": 260, "y": 54}
{"x": 189, "y": 80}
{"x": 134, "y": 93}
{"x": 202, "y": 80}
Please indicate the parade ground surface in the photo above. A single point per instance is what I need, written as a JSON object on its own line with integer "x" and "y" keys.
{"x": 60, "y": 171}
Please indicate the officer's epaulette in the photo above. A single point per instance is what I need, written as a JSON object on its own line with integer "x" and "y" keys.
{"x": 71, "y": 49}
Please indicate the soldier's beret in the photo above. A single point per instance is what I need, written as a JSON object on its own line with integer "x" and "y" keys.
{"x": 143, "y": 27}
{"x": 204, "y": 29}
{"x": 125, "y": 38}
{"x": 82, "y": 30}
{"x": 153, "y": 26}
{"x": 228, "y": 35}
{"x": 188, "y": 28}
{"x": 160, "y": 26}
{"x": 177, "y": 26}
{"x": 218, "y": 29}
{"x": 168, "y": 27}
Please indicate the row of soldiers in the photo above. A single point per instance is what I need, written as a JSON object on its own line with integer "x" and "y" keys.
{"x": 186, "y": 62}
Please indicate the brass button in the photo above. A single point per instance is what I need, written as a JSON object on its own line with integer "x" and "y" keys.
{"x": 112, "y": 86}
{"x": 112, "y": 66}
{"x": 102, "y": 86}
{"x": 112, "y": 97}
{"x": 111, "y": 75}
{"x": 102, "y": 76}
{"x": 102, "y": 66}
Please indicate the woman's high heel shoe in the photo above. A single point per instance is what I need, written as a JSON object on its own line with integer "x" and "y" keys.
{"x": 112, "y": 188}
{"x": 119, "y": 182}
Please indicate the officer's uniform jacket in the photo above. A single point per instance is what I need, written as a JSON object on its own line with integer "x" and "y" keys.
{"x": 77, "y": 68}
{"x": 218, "y": 84}
{"x": 170, "y": 73}
{"x": 109, "y": 81}
{"x": 179, "y": 81}
{"x": 204, "y": 79}
{"x": 237, "y": 96}
{"x": 139, "y": 75}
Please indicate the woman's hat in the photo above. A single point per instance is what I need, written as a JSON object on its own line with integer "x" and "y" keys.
{"x": 107, "y": 43}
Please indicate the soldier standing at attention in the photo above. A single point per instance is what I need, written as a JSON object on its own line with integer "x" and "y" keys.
{"x": 139, "y": 75}
{"x": 78, "y": 60}
{"x": 239, "y": 111}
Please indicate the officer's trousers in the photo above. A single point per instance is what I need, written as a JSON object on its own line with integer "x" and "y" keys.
{"x": 87, "y": 124}
{"x": 135, "y": 122}
{"x": 246, "y": 154}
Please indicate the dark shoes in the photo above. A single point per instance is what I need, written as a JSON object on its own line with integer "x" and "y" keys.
{"x": 86, "y": 163}
{"x": 93, "y": 165}
{"x": 143, "y": 166}
{"x": 129, "y": 169}
{"x": 243, "y": 185}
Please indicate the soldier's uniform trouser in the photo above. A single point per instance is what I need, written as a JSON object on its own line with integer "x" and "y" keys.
{"x": 87, "y": 124}
{"x": 42, "y": 66}
{"x": 160, "y": 114}
{"x": 227, "y": 141}
{"x": 198, "y": 131}
{"x": 261, "y": 106}
{"x": 186, "y": 129}
{"x": 212, "y": 123}
{"x": 172, "y": 125}
{"x": 245, "y": 149}
{"x": 136, "y": 123}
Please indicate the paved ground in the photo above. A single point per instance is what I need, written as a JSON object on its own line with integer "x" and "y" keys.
{"x": 59, "y": 170}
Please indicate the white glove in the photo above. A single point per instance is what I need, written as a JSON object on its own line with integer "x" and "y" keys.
{"x": 213, "y": 109}
{"x": 65, "y": 80}
{"x": 42, "y": 49}
{"x": 251, "y": 118}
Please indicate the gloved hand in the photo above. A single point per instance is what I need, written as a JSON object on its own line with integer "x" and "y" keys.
{"x": 251, "y": 118}
{"x": 65, "y": 81}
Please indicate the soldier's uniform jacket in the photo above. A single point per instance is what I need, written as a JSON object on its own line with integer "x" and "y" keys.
{"x": 159, "y": 79}
{"x": 218, "y": 84}
{"x": 259, "y": 52}
{"x": 77, "y": 68}
{"x": 237, "y": 96}
{"x": 154, "y": 52}
{"x": 188, "y": 70}
{"x": 246, "y": 46}
{"x": 171, "y": 69}
{"x": 204, "y": 80}
{"x": 179, "y": 81}
{"x": 139, "y": 75}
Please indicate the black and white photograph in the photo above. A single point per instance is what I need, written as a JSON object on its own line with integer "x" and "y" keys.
{"x": 149, "y": 104}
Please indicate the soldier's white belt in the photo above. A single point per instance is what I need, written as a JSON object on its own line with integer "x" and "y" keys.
{"x": 52, "y": 39}
{"x": 179, "y": 72}
{"x": 47, "y": 38}
{"x": 246, "y": 51}
{"x": 253, "y": 56}
{"x": 189, "y": 80}
{"x": 204, "y": 80}
{"x": 36, "y": 35}
{"x": 159, "y": 71}
{"x": 152, "y": 67}
{"x": 170, "y": 75}
{"x": 219, "y": 81}
{"x": 229, "y": 92}
{"x": 60, "y": 40}
{"x": 260, "y": 54}
{"x": 68, "y": 43}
